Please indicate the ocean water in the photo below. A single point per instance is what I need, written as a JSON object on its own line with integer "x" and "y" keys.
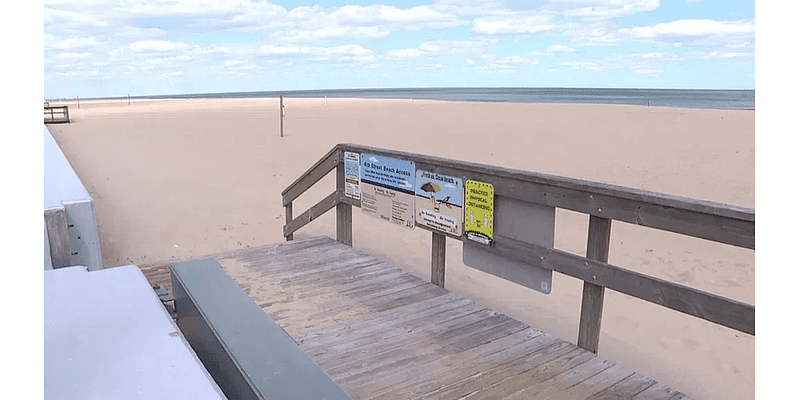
{"x": 679, "y": 98}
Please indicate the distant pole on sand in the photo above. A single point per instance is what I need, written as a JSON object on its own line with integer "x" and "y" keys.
{"x": 129, "y": 99}
{"x": 79, "y": 101}
{"x": 283, "y": 114}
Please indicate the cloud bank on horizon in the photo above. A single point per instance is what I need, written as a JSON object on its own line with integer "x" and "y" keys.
{"x": 109, "y": 48}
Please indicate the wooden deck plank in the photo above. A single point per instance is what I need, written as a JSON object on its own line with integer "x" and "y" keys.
{"x": 457, "y": 367}
{"x": 659, "y": 392}
{"x": 476, "y": 384}
{"x": 371, "y": 334}
{"x": 545, "y": 370}
{"x": 385, "y": 364}
{"x": 382, "y": 333}
{"x": 380, "y": 337}
{"x": 625, "y": 389}
{"x": 311, "y": 339}
{"x": 558, "y": 383}
{"x": 596, "y": 383}
{"x": 427, "y": 377}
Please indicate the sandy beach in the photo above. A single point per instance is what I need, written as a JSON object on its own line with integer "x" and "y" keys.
{"x": 173, "y": 179}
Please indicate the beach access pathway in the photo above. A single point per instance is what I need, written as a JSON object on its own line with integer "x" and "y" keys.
{"x": 382, "y": 333}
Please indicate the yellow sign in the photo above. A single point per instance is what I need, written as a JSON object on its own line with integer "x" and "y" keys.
{"x": 479, "y": 211}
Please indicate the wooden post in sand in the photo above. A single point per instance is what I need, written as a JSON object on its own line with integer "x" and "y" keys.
{"x": 282, "y": 114}
{"x": 592, "y": 301}
{"x": 129, "y": 99}
{"x": 79, "y": 101}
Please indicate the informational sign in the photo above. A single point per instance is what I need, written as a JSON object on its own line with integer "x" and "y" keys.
{"x": 479, "y": 211}
{"x": 387, "y": 189}
{"x": 440, "y": 202}
{"x": 352, "y": 176}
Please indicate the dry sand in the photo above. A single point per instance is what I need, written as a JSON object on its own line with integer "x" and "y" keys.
{"x": 180, "y": 178}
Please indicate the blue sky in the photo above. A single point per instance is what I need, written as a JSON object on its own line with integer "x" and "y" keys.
{"x": 99, "y": 48}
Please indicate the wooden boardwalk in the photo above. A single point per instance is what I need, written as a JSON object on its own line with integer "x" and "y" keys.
{"x": 382, "y": 333}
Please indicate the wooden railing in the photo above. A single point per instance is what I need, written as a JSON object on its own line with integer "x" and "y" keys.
{"x": 55, "y": 114}
{"x": 604, "y": 203}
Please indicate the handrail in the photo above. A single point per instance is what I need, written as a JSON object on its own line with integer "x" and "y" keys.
{"x": 717, "y": 222}
{"x": 61, "y": 111}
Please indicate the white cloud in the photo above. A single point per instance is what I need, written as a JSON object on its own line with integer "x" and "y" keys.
{"x": 650, "y": 71}
{"x": 583, "y": 65}
{"x": 144, "y": 46}
{"x": 440, "y": 48}
{"x": 470, "y": 62}
{"x": 335, "y": 32}
{"x": 419, "y": 17}
{"x": 74, "y": 43}
{"x": 231, "y": 63}
{"x": 405, "y": 53}
{"x": 73, "y": 56}
{"x": 729, "y": 54}
{"x": 513, "y": 23}
{"x": 594, "y": 34}
{"x": 349, "y": 49}
{"x": 613, "y": 9}
{"x": 56, "y": 16}
{"x": 692, "y": 27}
{"x": 556, "y": 48}
{"x": 172, "y": 74}
{"x": 316, "y": 53}
{"x": 515, "y": 61}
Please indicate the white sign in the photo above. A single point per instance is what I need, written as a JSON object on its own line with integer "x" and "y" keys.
{"x": 440, "y": 201}
{"x": 387, "y": 189}
{"x": 352, "y": 175}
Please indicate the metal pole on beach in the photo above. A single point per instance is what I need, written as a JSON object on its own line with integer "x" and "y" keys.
{"x": 79, "y": 101}
{"x": 282, "y": 111}
{"x": 129, "y": 99}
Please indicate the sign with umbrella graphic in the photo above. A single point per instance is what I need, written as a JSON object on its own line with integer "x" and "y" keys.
{"x": 440, "y": 202}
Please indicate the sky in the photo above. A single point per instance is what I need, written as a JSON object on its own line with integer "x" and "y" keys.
{"x": 112, "y": 48}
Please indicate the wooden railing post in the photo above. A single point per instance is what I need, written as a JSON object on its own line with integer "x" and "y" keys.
{"x": 438, "y": 251}
{"x": 288, "y": 211}
{"x": 592, "y": 301}
{"x": 344, "y": 211}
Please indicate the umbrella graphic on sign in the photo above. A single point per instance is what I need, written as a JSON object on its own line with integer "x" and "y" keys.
{"x": 432, "y": 188}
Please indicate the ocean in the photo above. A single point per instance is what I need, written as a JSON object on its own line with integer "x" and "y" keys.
{"x": 678, "y": 98}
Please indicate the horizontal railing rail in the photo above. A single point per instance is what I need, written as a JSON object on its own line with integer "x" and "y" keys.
{"x": 56, "y": 114}
{"x": 604, "y": 203}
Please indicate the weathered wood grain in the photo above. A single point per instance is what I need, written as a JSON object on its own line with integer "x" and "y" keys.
{"x": 382, "y": 333}
{"x": 625, "y": 389}
{"x": 287, "y": 210}
{"x": 344, "y": 211}
{"x": 317, "y": 171}
{"x": 312, "y": 213}
{"x": 711, "y": 307}
{"x": 438, "y": 253}
{"x": 592, "y": 300}
{"x": 555, "y": 385}
{"x": 708, "y": 220}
